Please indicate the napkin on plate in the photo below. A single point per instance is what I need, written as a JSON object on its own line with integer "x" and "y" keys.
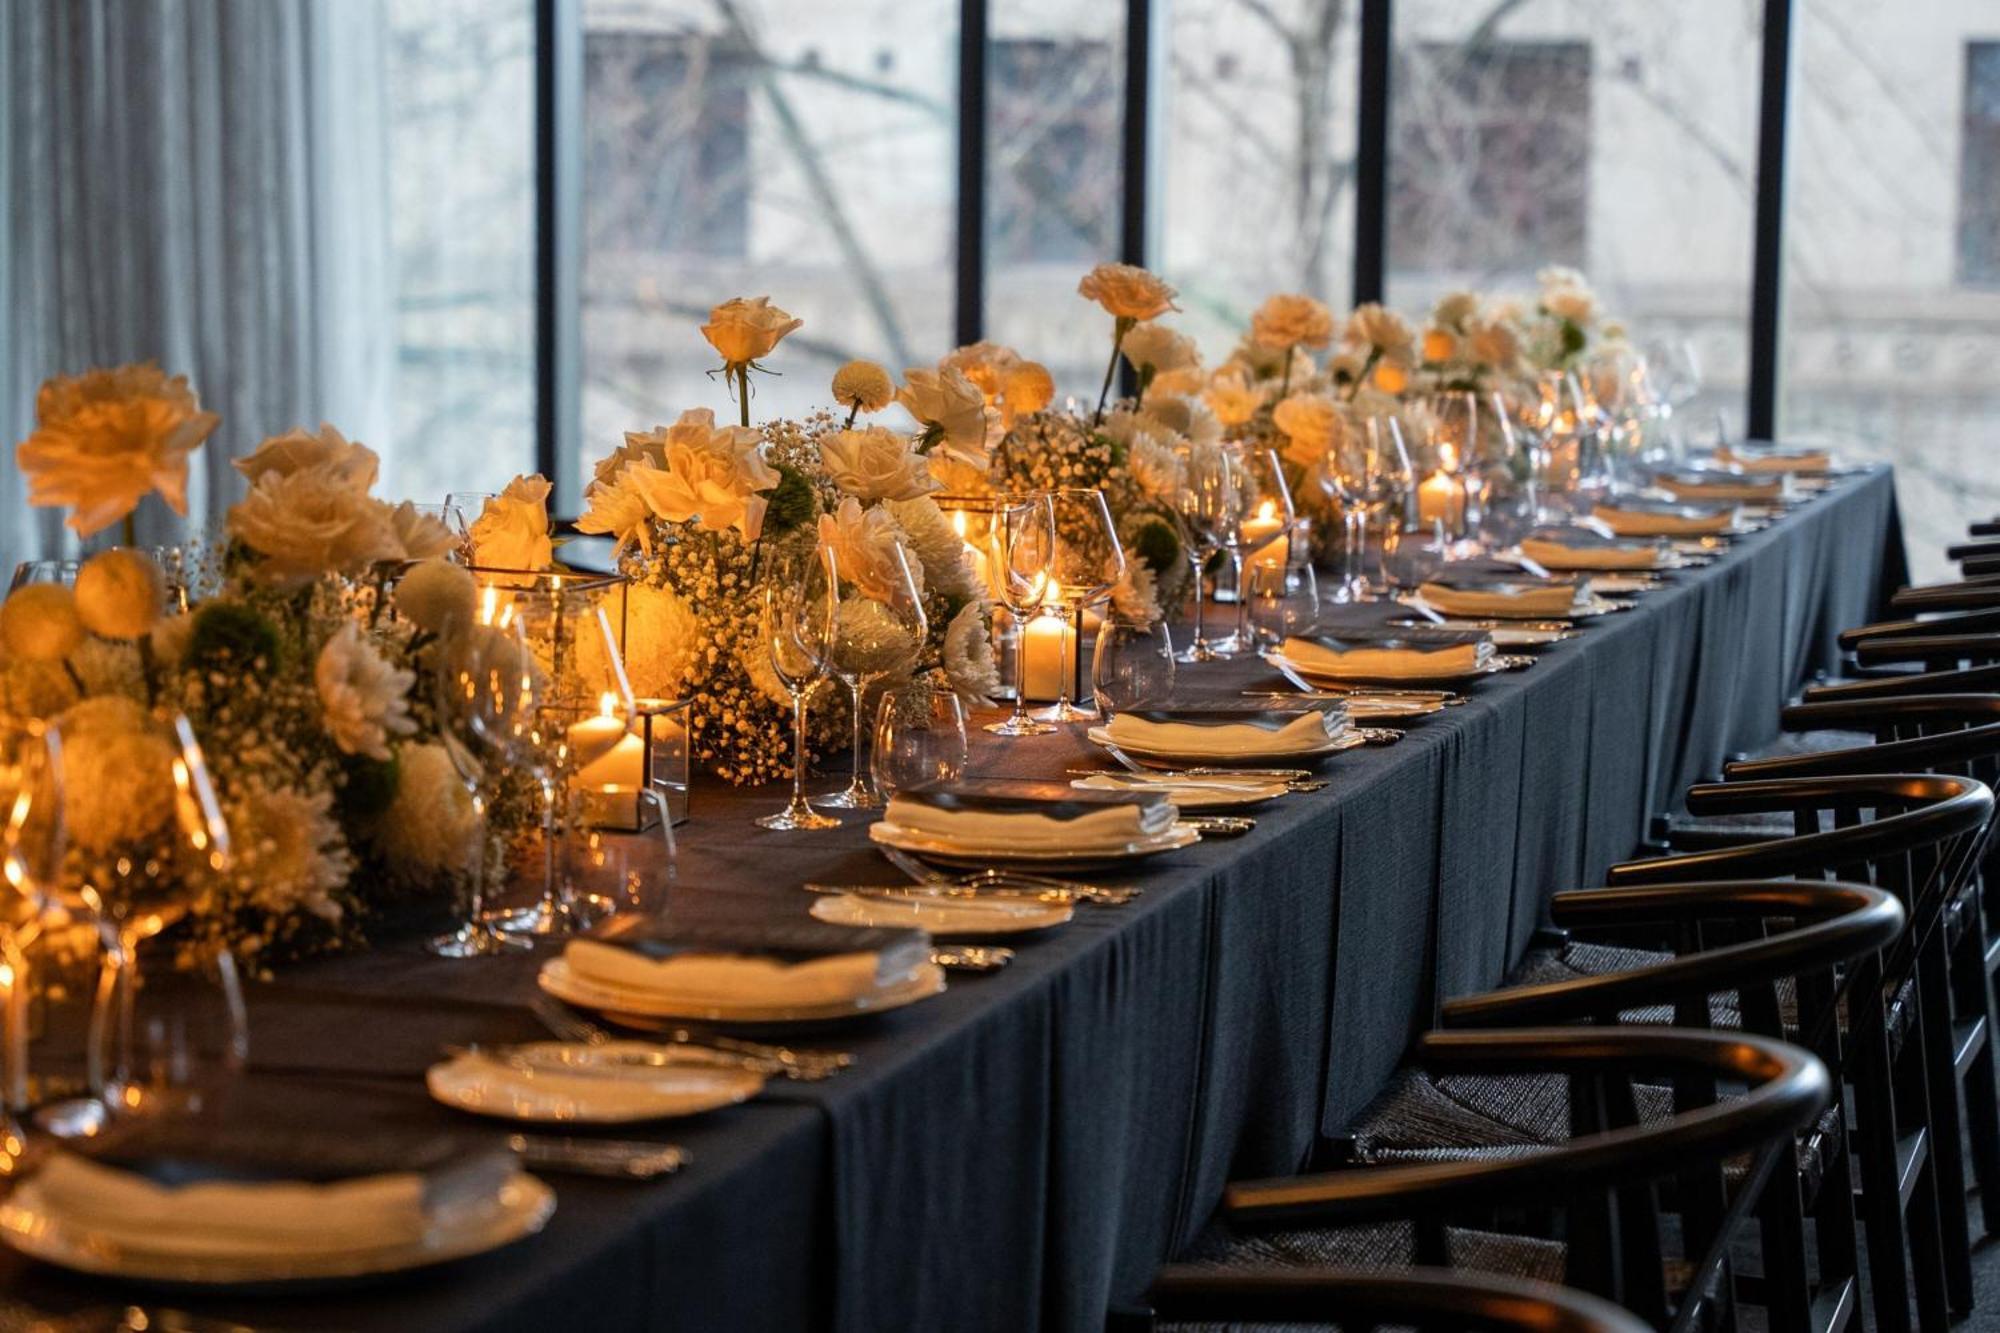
{"x": 709, "y": 957}
{"x": 1580, "y": 548}
{"x": 1506, "y": 597}
{"x": 985, "y": 819}
{"x": 1637, "y": 518}
{"x": 1716, "y": 484}
{"x": 1387, "y": 656}
{"x": 1767, "y": 461}
{"x": 229, "y": 1202}
{"x": 1227, "y": 732}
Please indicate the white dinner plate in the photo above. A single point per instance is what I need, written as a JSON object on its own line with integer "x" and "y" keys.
{"x": 591, "y": 1085}
{"x": 520, "y": 1208}
{"x": 1346, "y": 740}
{"x": 557, "y": 978}
{"x": 1072, "y": 856}
{"x": 945, "y": 918}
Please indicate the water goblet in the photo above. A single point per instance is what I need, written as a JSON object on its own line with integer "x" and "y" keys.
{"x": 919, "y": 737}
{"x": 1133, "y": 664}
{"x": 1024, "y": 539}
{"x": 1089, "y": 561}
{"x": 880, "y": 631}
{"x": 800, "y": 610}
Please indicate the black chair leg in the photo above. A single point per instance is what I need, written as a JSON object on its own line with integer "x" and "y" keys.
{"x": 1787, "y": 1288}
{"x": 1881, "y": 1187}
{"x": 1927, "y": 1251}
{"x": 1974, "y": 985}
{"x": 1934, "y": 1035}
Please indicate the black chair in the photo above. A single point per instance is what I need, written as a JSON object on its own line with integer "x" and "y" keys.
{"x": 1919, "y": 837}
{"x": 1965, "y": 680}
{"x": 1979, "y": 594}
{"x": 1751, "y": 946}
{"x": 1586, "y": 1211}
{"x": 1940, "y": 650}
{"x": 1427, "y": 1298}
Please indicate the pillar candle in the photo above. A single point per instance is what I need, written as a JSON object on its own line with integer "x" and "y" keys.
{"x": 1045, "y": 643}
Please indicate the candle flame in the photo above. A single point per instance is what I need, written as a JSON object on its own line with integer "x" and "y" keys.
{"x": 607, "y": 704}
{"x": 489, "y": 604}
{"x": 1267, "y": 510}
{"x": 958, "y": 523}
{"x": 1447, "y": 457}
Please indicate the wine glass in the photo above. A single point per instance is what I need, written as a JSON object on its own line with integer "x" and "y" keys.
{"x": 33, "y": 842}
{"x": 801, "y": 608}
{"x": 1283, "y": 600}
{"x": 61, "y": 572}
{"x": 1209, "y": 510}
{"x": 1506, "y": 466}
{"x": 1451, "y": 490}
{"x": 487, "y": 687}
{"x": 1089, "y": 561}
{"x": 919, "y": 737}
{"x": 470, "y": 506}
{"x": 1024, "y": 540}
{"x": 607, "y": 872}
{"x": 1370, "y": 473}
{"x": 454, "y": 521}
{"x": 1133, "y": 664}
{"x": 1268, "y": 531}
{"x": 880, "y": 631}
{"x": 162, "y": 1038}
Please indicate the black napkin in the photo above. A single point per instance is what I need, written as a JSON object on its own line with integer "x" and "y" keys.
{"x": 1071, "y": 805}
{"x": 788, "y": 939}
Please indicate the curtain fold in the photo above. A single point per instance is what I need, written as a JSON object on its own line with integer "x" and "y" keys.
{"x": 198, "y": 183}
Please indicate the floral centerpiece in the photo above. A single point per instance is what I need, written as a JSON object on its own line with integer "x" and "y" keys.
{"x": 696, "y": 508}
{"x": 304, "y": 678}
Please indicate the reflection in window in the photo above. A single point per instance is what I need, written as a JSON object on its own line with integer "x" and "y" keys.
{"x": 1618, "y": 136}
{"x": 1892, "y": 301}
{"x": 1054, "y": 98}
{"x": 1496, "y": 136}
{"x": 794, "y": 149}
{"x": 461, "y": 175}
{"x": 1256, "y": 189}
{"x": 1979, "y": 168}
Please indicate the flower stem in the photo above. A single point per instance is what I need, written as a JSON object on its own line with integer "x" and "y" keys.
{"x": 743, "y": 391}
{"x": 1118, "y": 331}
{"x": 1285, "y": 380}
{"x": 131, "y": 528}
{"x": 853, "y": 412}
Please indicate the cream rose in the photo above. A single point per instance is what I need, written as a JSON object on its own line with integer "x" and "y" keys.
{"x": 1375, "y": 325}
{"x": 875, "y": 464}
{"x": 712, "y": 473}
{"x": 104, "y": 439}
{"x": 311, "y": 522}
{"x": 512, "y": 532}
{"x": 1157, "y": 348}
{"x": 952, "y": 409}
{"x": 745, "y": 329}
{"x": 297, "y": 450}
{"x": 1127, "y": 291}
{"x": 1291, "y": 319}
{"x": 1575, "y": 304}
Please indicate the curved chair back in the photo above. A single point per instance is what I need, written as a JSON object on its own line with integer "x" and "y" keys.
{"x": 1970, "y": 622}
{"x": 1937, "y": 649}
{"x": 1966, "y": 680}
{"x": 1980, "y": 594}
{"x": 1428, "y": 1298}
{"x": 1609, "y": 1168}
{"x": 1955, "y": 734}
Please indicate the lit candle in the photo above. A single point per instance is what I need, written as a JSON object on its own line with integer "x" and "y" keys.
{"x": 1441, "y": 498}
{"x": 1263, "y": 537}
{"x": 606, "y": 754}
{"x": 981, "y": 567}
{"x": 1045, "y": 646}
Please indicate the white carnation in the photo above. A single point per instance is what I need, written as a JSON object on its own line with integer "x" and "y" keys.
{"x": 930, "y": 537}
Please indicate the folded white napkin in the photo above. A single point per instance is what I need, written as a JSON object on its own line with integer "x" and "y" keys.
{"x": 1557, "y": 599}
{"x": 1805, "y": 460}
{"x": 1382, "y": 662}
{"x": 1662, "y": 522}
{"x": 1107, "y": 822}
{"x": 232, "y": 1217}
{"x": 1310, "y": 730}
{"x": 1560, "y": 555}
{"x": 1723, "y": 487}
{"x": 715, "y": 979}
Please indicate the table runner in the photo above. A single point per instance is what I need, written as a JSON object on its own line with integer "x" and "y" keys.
{"x": 1029, "y": 1146}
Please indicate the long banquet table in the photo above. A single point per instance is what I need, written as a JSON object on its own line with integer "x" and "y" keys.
{"x": 1027, "y": 1147}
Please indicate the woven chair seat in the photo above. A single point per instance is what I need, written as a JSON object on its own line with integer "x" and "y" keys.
{"x": 1813, "y": 742}
{"x": 1582, "y": 959}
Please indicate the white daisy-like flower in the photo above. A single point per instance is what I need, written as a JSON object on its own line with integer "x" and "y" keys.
{"x": 968, "y": 657}
{"x": 930, "y": 537}
{"x": 289, "y": 843}
{"x": 364, "y": 700}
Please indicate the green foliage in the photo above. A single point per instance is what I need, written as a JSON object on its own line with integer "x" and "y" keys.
{"x": 230, "y": 633}
{"x": 1573, "y": 338}
{"x": 792, "y": 503}
{"x": 1156, "y": 543}
{"x": 367, "y": 787}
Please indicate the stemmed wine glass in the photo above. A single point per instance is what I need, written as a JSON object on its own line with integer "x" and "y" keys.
{"x": 1452, "y": 490}
{"x": 880, "y": 631}
{"x": 470, "y": 506}
{"x": 488, "y": 686}
{"x": 1210, "y": 510}
{"x": 1268, "y": 532}
{"x": 1024, "y": 539}
{"x": 800, "y": 611}
{"x": 32, "y": 845}
{"x": 44, "y": 571}
{"x": 454, "y": 521}
{"x": 1089, "y": 561}
{"x": 155, "y": 1039}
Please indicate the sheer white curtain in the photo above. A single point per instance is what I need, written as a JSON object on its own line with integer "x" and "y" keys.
{"x": 202, "y": 183}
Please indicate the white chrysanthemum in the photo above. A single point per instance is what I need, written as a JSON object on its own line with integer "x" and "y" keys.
{"x": 1233, "y": 398}
{"x": 1188, "y": 417}
{"x": 661, "y": 635}
{"x": 1136, "y": 597}
{"x": 118, "y": 786}
{"x": 288, "y": 844}
{"x": 1155, "y": 466}
{"x": 429, "y": 827}
{"x": 109, "y": 666}
{"x": 363, "y": 699}
{"x": 872, "y": 640}
{"x": 615, "y": 507}
{"x": 968, "y": 657}
{"x": 929, "y": 536}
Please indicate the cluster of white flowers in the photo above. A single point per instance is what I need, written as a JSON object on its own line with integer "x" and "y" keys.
{"x": 309, "y": 513}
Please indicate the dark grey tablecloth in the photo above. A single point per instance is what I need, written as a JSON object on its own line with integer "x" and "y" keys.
{"x": 1029, "y": 1146}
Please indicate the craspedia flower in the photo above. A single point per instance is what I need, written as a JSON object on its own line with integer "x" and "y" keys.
{"x": 117, "y": 768}
{"x": 1028, "y": 388}
{"x": 119, "y": 593}
{"x": 39, "y": 623}
{"x": 863, "y": 386}
{"x": 436, "y": 595}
